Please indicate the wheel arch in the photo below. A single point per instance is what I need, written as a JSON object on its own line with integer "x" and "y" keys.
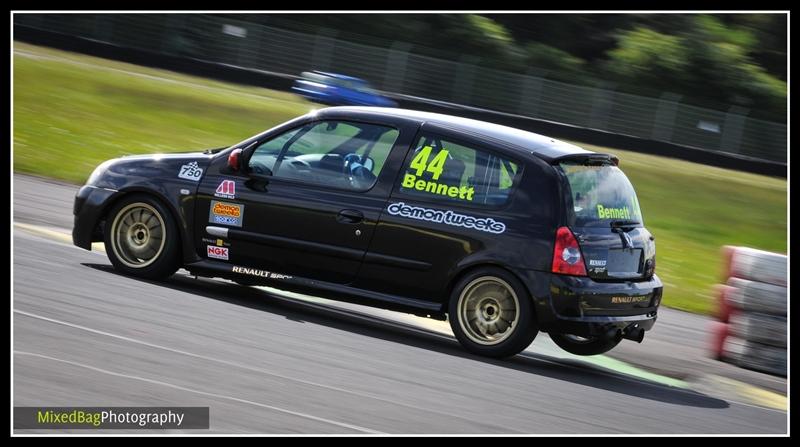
{"x": 467, "y": 269}
{"x": 153, "y": 194}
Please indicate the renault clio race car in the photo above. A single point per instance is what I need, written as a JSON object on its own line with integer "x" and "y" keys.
{"x": 503, "y": 232}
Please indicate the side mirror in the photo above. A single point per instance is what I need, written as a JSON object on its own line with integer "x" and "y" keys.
{"x": 257, "y": 182}
{"x": 234, "y": 160}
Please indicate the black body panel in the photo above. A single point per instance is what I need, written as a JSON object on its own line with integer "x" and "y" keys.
{"x": 366, "y": 246}
{"x": 156, "y": 175}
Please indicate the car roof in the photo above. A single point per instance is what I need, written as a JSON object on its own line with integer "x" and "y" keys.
{"x": 522, "y": 141}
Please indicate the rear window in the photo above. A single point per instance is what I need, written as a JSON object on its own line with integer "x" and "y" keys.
{"x": 600, "y": 195}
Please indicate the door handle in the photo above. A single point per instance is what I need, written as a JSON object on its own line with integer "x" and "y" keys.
{"x": 350, "y": 216}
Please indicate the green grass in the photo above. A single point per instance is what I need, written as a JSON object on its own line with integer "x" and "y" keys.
{"x": 72, "y": 112}
{"x": 70, "y": 116}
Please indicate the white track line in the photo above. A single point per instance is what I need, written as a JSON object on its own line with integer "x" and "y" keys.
{"x": 204, "y": 393}
{"x": 267, "y": 372}
{"x": 236, "y": 364}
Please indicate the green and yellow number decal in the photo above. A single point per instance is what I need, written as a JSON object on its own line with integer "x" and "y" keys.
{"x": 436, "y": 166}
{"x": 422, "y": 163}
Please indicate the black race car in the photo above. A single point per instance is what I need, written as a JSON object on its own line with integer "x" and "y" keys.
{"x": 506, "y": 232}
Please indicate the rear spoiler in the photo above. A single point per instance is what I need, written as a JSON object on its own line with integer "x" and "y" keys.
{"x": 591, "y": 158}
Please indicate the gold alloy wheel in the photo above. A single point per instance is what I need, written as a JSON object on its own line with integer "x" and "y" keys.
{"x": 488, "y": 310}
{"x": 138, "y": 235}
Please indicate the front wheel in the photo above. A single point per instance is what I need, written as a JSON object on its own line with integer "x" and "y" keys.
{"x": 141, "y": 238}
{"x": 491, "y": 314}
{"x": 578, "y": 345}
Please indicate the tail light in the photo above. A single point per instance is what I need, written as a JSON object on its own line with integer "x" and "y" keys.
{"x": 567, "y": 257}
{"x": 650, "y": 267}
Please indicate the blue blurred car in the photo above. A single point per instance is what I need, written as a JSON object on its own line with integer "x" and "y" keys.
{"x": 339, "y": 90}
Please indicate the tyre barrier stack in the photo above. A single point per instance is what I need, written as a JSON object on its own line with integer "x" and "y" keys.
{"x": 752, "y": 311}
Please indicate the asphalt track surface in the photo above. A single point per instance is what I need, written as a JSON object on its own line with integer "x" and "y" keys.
{"x": 85, "y": 335}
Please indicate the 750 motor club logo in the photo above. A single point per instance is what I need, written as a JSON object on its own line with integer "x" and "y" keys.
{"x": 191, "y": 171}
{"x": 226, "y": 189}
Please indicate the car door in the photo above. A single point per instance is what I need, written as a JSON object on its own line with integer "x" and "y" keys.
{"x": 316, "y": 216}
{"x": 444, "y": 207}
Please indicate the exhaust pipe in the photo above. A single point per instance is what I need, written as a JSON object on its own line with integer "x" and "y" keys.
{"x": 634, "y": 333}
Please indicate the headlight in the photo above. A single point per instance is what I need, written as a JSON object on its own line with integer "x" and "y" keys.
{"x": 98, "y": 171}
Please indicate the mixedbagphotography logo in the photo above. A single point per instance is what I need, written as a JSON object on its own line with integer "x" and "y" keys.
{"x": 144, "y": 418}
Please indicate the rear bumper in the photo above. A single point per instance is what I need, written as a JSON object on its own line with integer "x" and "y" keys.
{"x": 582, "y": 306}
{"x": 600, "y": 326}
{"x": 90, "y": 202}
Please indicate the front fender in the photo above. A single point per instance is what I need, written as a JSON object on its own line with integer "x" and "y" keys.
{"x": 173, "y": 179}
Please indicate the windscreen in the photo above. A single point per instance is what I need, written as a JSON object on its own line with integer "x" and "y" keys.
{"x": 600, "y": 194}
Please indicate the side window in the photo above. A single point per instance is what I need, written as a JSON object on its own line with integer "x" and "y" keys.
{"x": 339, "y": 154}
{"x": 443, "y": 170}
{"x": 264, "y": 157}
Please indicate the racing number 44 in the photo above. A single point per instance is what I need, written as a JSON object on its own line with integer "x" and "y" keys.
{"x": 435, "y": 167}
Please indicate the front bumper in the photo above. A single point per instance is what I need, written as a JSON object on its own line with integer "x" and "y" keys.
{"x": 90, "y": 203}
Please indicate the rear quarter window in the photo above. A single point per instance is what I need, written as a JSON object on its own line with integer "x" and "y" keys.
{"x": 444, "y": 171}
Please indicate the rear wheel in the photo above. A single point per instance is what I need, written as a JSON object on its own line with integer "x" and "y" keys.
{"x": 491, "y": 314}
{"x": 578, "y": 345}
{"x": 141, "y": 238}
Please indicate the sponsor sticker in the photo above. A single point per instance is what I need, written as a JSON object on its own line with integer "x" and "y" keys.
{"x": 226, "y": 213}
{"x": 216, "y": 252}
{"x": 190, "y": 171}
{"x": 217, "y": 242}
{"x": 226, "y": 189}
{"x": 257, "y": 272}
{"x": 448, "y": 217}
{"x": 628, "y": 299}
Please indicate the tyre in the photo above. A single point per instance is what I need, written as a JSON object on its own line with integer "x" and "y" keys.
{"x": 724, "y": 305}
{"x": 756, "y": 356}
{"x": 770, "y": 330}
{"x": 141, "y": 238}
{"x": 754, "y": 296}
{"x": 491, "y": 313}
{"x": 577, "y": 345}
{"x": 756, "y": 265}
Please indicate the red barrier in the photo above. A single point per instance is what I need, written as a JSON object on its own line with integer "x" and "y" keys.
{"x": 752, "y": 310}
